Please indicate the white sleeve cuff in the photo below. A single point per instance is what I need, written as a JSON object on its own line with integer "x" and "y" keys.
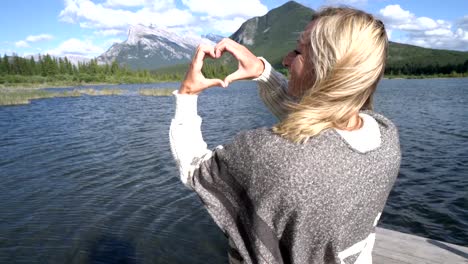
{"x": 266, "y": 72}
{"x": 186, "y": 105}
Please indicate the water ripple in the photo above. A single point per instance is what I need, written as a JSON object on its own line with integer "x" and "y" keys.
{"x": 88, "y": 177}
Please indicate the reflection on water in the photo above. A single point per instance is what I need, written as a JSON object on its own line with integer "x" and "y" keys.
{"x": 91, "y": 179}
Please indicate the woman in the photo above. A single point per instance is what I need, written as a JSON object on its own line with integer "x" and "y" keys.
{"x": 312, "y": 188}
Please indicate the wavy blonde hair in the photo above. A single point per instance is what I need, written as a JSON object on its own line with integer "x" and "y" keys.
{"x": 347, "y": 54}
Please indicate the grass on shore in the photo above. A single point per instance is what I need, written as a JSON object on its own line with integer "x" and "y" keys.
{"x": 93, "y": 92}
{"x": 156, "y": 92}
{"x": 18, "y": 96}
{"x": 67, "y": 80}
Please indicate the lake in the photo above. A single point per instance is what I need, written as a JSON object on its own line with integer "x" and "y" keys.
{"x": 92, "y": 180}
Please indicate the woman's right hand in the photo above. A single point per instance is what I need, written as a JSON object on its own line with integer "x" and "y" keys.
{"x": 249, "y": 65}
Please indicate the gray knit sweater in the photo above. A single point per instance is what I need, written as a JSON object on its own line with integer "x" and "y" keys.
{"x": 281, "y": 202}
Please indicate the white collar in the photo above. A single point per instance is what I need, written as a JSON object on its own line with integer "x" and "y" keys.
{"x": 364, "y": 139}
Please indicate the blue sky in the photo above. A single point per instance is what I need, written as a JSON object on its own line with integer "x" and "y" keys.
{"x": 88, "y": 27}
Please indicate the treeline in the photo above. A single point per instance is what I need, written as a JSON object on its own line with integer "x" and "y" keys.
{"x": 48, "y": 69}
{"x": 429, "y": 70}
{"x": 213, "y": 69}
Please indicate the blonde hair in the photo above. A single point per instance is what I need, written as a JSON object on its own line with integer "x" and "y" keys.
{"x": 348, "y": 49}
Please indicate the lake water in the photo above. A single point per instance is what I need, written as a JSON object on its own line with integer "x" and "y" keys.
{"x": 92, "y": 180}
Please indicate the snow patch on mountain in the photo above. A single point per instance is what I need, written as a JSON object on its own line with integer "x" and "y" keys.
{"x": 153, "y": 47}
{"x": 246, "y": 33}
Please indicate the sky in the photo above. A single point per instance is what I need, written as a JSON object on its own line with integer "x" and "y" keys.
{"x": 89, "y": 27}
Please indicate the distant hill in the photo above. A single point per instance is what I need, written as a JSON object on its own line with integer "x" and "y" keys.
{"x": 213, "y": 37}
{"x": 400, "y": 54}
{"x": 274, "y": 34}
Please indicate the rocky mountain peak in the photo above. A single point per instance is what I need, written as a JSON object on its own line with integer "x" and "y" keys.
{"x": 151, "y": 47}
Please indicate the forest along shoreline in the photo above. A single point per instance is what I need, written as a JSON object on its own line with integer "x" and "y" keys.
{"x": 48, "y": 72}
{"x": 23, "y": 80}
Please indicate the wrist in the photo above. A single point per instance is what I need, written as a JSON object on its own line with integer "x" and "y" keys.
{"x": 260, "y": 68}
{"x": 185, "y": 88}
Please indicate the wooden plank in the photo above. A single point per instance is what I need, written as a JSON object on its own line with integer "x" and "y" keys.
{"x": 395, "y": 247}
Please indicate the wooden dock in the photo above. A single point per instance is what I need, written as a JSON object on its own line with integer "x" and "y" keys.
{"x": 392, "y": 247}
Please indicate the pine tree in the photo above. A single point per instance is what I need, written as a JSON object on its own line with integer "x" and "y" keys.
{"x": 114, "y": 68}
{"x": 32, "y": 66}
{"x": 61, "y": 66}
{"x": 68, "y": 66}
{"x": 3, "y": 66}
{"x": 50, "y": 67}
{"x": 18, "y": 67}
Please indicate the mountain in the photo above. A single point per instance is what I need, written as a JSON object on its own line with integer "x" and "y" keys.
{"x": 213, "y": 37}
{"x": 152, "y": 48}
{"x": 401, "y": 54}
{"x": 274, "y": 34}
{"x": 271, "y": 36}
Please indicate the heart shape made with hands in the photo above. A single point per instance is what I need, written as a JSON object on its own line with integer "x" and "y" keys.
{"x": 249, "y": 66}
{"x": 217, "y": 68}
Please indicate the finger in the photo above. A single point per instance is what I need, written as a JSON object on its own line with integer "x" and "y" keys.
{"x": 200, "y": 54}
{"x": 218, "y": 49}
{"x": 226, "y": 45}
{"x": 237, "y": 75}
{"x": 214, "y": 82}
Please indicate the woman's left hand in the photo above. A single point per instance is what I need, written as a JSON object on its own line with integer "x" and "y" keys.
{"x": 194, "y": 81}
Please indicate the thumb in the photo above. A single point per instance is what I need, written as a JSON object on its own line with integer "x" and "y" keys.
{"x": 237, "y": 75}
{"x": 214, "y": 82}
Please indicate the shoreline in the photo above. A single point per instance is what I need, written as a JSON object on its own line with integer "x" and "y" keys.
{"x": 20, "y": 86}
{"x": 421, "y": 77}
{"x": 35, "y": 86}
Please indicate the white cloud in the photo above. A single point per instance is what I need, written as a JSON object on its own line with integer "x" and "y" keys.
{"x": 462, "y": 34}
{"x": 110, "y": 32}
{"x": 424, "y": 31}
{"x": 30, "y": 39}
{"x": 389, "y": 33}
{"x": 125, "y": 3}
{"x": 222, "y": 8}
{"x": 162, "y": 5}
{"x": 40, "y": 37}
{"x": 346, "y": 2}
{"x": 394, "y": 14}
{"x": 6, "y": 52}
{"x": 225, "y": 26}
{"x": 113, "y": 17}
{"x": 91, "y": 15}
{"x": 76, "y": 47}
{"x": 441, "y": 32}
{"x": 21, "y": 44}
{"x": 111, "y": 42}
{"x": 463, "y": 23}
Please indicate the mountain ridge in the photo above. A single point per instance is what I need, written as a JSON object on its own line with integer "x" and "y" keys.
{"x": 152, "y": 48}
{"x": 271, "y": 36}
{"x": 275, "y": 33}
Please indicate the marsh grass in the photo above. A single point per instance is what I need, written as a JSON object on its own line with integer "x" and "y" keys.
{"x": 156, "y": 92}
{"x": 19, "y": 96}
{"x": 106, "y": 91}
{"x": 24, "y": 96}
